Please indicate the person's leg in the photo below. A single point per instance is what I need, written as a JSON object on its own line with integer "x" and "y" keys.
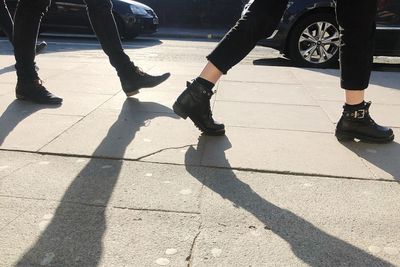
{"x": 356, "y": 19}
{"x": 7, "y": 25}
{"x": 26, "y": 27}
{"x": 260, "y": 20}
{"x": 6, "y": 22}
{"x": 103, "y": 24}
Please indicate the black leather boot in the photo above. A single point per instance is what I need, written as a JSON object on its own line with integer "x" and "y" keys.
{"x": 194, "y": 103}
{"x": 133, "y": 78}
{"x": 35, "y": 92}
{"x": 357, "y": 124}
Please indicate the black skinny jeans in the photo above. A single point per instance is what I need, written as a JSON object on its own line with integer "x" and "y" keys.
{"x": 356, "y": 19}
{"x": 26, "y": 27}
{"x": 6, "y": 22}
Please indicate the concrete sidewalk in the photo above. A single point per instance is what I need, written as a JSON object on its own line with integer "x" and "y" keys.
{"x": 109, "y": 181}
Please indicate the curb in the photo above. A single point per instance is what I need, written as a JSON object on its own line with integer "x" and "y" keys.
{"x": 187, "y": 35}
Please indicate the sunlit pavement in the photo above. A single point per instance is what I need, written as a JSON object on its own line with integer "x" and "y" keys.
{"x": 109, "y": 181}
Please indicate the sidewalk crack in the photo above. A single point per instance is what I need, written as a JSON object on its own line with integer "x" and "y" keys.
{"x": 189, "y": 258}
{"x": 162, "y": 150}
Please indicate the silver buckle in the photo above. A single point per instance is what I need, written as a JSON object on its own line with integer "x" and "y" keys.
{"x": 359, "y": 114}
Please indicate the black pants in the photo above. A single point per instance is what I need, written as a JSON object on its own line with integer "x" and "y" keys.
{"x": 26, "y": 26}
{"x": 6, "y": 22}
{"x": 356, "y": 19}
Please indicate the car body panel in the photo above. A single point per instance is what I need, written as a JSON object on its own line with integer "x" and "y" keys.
{"x": 71, "y": 16}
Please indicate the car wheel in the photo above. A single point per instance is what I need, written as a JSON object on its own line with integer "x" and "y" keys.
{"x": 314, "y": 41}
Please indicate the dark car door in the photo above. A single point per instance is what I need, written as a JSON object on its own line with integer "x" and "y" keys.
{"x": 67, "y": 14}
{"x": 388, "y": 27}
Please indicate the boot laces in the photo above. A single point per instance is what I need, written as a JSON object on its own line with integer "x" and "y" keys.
{"x": 139, "y": 71}
{"x": 40, "y": 87}
{"x": 209, "y": 110}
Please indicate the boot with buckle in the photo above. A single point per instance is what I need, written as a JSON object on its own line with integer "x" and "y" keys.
{"x": 358, "y": 124}
{"x": 194, "y": 103}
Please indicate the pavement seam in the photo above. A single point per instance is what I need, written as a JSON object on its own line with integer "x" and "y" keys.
{"x": 289, "y": 173}
{"x": 16, "y": 170}
{"x": 269, "y": 103}
{"x": 364, "y": 162}
{"x": 252, "y": 82}
{"x": 375, "y": 102}
{"x": 103, "y": 206}
{"x": 13, "y": 220}
{"x": 81, "y": 119}
{"x": 309, "y": 93}
{"x": 280, "y": 129}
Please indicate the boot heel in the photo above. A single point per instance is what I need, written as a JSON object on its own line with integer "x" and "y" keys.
{"x": 179, "y": 111}
{"x": 344, "y": 137}
{"x": 19, "y": 97}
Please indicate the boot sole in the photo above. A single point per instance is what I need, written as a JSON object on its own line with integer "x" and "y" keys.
{"x": 132, "y": 93}
{"x": 184, "y": 115}
{"x": 23, "y": 98}
{"x": 348, "y": 137}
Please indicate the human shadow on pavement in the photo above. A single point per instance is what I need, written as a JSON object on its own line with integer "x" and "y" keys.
{"x": 16, "y": 112}
{"x": 385, "y": 157}
{"x": 74, "y": 236}
{"x": 275, "y": 61}
{"x": 311, "y": 245}
{"x": 7, "y": 69}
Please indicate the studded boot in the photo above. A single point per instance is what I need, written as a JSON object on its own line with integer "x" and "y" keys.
{"x": 358, "y": 124}
{"x": 194, "y": 103}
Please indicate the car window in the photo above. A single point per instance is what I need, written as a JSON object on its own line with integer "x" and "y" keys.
{"x": 388, "y": 13}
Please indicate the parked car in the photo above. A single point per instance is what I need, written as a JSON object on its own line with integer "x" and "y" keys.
{"x": 132, "y": 18}
{"x": 306, "y": 21}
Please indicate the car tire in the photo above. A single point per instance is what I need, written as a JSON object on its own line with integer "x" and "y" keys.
{"x": 314, "y": 41}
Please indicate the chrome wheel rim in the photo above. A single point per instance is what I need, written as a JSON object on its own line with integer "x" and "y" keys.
{"x": 319, "y": 42}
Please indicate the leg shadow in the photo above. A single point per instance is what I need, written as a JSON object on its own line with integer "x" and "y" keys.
{"x": 276, "y": 61}
{"x": 7, "y": 69}
{"x": 75, "y": 233}
{"x": 310, "y": 244}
